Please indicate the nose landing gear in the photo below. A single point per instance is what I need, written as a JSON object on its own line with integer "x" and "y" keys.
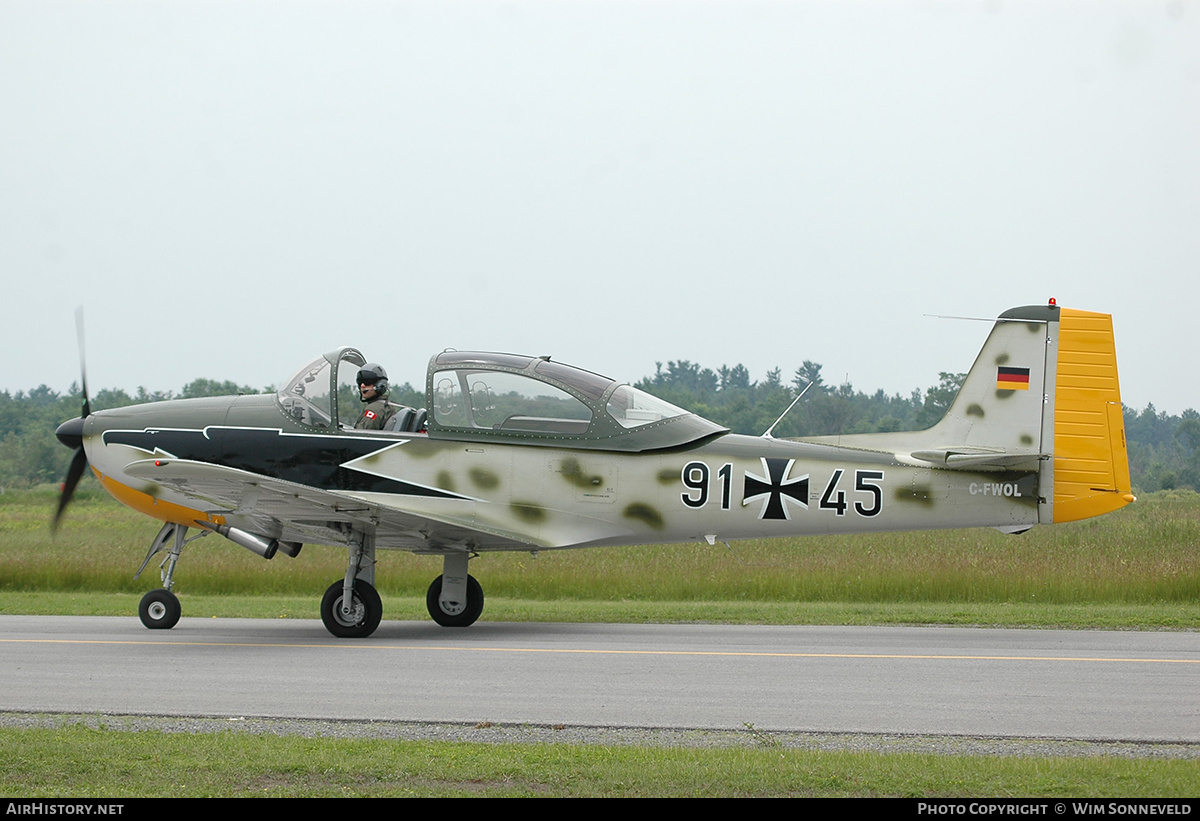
{"x": 159, "y": 609}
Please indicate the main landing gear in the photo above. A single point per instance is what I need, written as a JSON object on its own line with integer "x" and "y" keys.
{"x": 356, "y": 620}
{"x": 351, "y": 608}
{"x": 455, "y": 599}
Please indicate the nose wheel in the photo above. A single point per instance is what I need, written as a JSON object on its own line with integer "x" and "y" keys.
{"x": 159, "y": 610}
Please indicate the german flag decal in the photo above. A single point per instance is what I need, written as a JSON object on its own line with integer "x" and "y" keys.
{"x": 1012, "y": 379}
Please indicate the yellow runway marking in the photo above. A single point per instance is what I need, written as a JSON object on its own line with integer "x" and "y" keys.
{"x": 581, "y": 651}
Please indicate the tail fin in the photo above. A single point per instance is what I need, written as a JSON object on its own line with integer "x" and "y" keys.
{"x": 1000, "y": 412}
{"x": 1043, "y": 396}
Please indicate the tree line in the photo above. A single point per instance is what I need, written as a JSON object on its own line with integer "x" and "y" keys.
{"x": 1164, "y": 450}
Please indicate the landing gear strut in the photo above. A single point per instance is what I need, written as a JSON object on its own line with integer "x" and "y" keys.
{"x": 159, "y": 609}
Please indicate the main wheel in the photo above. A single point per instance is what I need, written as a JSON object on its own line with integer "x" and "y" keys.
{"x": 466, "y": 613}
{"x": 365, "y": 611}
{"x": 159, "y": 610}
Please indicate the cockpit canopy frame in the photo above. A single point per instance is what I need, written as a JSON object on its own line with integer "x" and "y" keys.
{"x": 475, "y": 396}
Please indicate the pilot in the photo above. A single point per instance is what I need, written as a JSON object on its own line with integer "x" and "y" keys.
{"x": 373, "y": 388}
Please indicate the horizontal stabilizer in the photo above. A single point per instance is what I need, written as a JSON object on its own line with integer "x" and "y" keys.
{"x": 968, "y": 457}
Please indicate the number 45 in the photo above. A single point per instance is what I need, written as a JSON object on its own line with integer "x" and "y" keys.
{"x": 865, "y": 481}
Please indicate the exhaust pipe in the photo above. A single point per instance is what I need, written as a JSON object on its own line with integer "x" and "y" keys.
{"x": 255, "y": 544}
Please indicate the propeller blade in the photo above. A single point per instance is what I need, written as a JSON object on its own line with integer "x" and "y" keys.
{"x": 87, "y": 407}
{"x": 74, "y": 473}
{"x": 70, "y": 433}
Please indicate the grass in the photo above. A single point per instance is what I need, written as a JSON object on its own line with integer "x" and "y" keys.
{"x": 87, "y": 762}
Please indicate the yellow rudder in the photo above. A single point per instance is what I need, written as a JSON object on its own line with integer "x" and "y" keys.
{"x": 1091, "y": 463}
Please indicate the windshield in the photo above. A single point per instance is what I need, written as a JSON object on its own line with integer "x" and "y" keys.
{"x": 306, "y": 397}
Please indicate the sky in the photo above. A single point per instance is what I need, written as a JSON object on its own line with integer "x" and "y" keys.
{"x": 230, "y": 189}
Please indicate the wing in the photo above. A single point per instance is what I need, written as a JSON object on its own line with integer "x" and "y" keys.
{"x": 300, "y": 513}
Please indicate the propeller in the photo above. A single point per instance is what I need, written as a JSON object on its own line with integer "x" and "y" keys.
{"x": 70, "y": 433}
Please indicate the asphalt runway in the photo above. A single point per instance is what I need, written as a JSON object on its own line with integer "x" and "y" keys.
{"x": 1120, "y": 686}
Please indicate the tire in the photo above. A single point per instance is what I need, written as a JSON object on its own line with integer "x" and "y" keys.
{"x": 467, "y": 617}
{"x": 365, "y": 615}
{"x": 159, "y": 610}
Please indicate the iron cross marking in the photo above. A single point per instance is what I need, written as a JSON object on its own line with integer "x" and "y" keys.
{"x": 775, "y": 489}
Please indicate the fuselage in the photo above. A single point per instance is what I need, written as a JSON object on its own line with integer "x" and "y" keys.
{"x": 729, "y": 487}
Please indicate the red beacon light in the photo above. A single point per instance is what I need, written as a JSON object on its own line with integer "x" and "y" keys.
{"x": 1053, "y": 302}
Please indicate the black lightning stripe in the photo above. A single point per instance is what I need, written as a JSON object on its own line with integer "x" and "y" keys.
{"x": 315, "y": 461}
